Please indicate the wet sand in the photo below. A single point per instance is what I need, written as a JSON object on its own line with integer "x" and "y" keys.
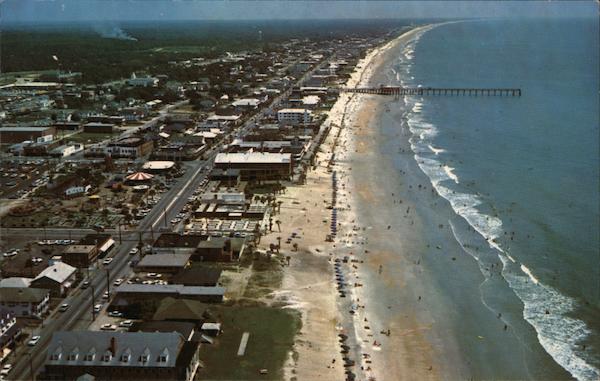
{"x": 408, "y": 273}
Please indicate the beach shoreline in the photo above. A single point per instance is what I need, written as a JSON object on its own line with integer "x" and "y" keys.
{"x": 309, "y": 283}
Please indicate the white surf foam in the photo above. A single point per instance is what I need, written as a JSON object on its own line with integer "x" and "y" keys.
{"x": 558, "y": 333}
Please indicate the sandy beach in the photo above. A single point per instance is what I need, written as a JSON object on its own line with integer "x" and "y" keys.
{"x": 309, "y": 283}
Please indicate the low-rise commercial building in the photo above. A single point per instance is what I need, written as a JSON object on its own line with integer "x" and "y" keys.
{"x": 57, "y": 278}
{"x": 80, "y": 256}
{"x": 129, "y": 147}
{"x": 163, "y": 263}
{"x": 257, "y": 165}
{"x": 138, "y": 292}
{"x": 22, "y": 134}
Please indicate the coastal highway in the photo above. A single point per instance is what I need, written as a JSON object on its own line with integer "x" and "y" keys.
{"x": 81, "y": 301}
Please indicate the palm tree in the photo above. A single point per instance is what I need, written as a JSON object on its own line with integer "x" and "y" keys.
{"x": 279, "y": 206}
{"x": 278, "y": 225}
{"x": 295, "y": 246}
{"x": 278, "y": 244}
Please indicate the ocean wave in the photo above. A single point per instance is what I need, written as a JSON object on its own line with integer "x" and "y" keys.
{"x": 558, "y": 333}
{"x": 545, "y": 308}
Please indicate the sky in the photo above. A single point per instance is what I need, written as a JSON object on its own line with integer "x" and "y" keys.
{"x": 43, "y": 11}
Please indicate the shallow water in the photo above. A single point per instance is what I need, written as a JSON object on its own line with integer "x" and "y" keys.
{"x": 519, "y": 181}
{"x": 521, "y": 171}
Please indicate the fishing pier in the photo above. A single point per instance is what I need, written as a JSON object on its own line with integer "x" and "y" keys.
{"x": 425, "y": 91}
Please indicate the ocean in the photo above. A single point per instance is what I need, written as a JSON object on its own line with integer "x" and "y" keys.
{"x": 521, "y": 174}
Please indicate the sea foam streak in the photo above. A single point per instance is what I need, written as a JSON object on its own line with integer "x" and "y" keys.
{"x": 558, "y": 333}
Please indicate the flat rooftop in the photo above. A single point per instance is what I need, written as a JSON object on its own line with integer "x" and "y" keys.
{"x": 253, "y": 158}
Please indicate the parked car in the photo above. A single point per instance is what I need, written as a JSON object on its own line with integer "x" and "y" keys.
{"x": 107, "y": 261}
{"x": 9, "y": 254}
{"x": 85, "y": 284}
{"x": 126, "y": 323}
{"x": 118, "y": 282}
{"x": 34, "y": 340}
{"x": 63, "y": 307}
{"x": 115, "y": 314}
{"x": 108, "y": 327}
{"x": 6, "y": 370}
{"x": 98, "y": 308}
{"x": 133, "y": 251}
{"x": 106, "y": 295}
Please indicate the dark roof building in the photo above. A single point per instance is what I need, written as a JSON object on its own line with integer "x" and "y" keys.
{"x": 120, "y": 356}
{"x": 197, "y": 276}
{"x": 181, "y": 310}
{"x": 186, "y": 329}
{"x": 163, "y": 263}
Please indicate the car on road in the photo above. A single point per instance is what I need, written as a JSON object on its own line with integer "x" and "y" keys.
{"x": 10, "y": 254}
{"x": 108, "y": 327}
{"x": 6, "y": 370}
{"x": 106, "y": 295}
{"x": 34, "y": 340}
{"x": 98, "y": 308}
{"x": 115, "y": 314}
{"x": 107, "y": 261}
{"x": 126, "y": 323}
{"x": 85, "y": 284}
{"x": 154, "y": 275}
{"x": 133, "y": 251}
{"x": 63, "y": 307}
{"x": 118, "y": 282}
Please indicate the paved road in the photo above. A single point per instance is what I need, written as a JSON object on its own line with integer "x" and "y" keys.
{"x": 171, "y": 203}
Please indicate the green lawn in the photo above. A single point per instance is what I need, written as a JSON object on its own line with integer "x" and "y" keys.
{"x": 88, "y": 137}
{"x": 272, "y": 332}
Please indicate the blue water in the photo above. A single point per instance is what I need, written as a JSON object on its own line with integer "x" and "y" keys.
{"x": 523, "y": 171}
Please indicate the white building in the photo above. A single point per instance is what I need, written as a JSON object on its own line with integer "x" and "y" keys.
{"x": 24, "y": 301}
{"x": 78, "y": 190}
{"x": 66, "y": 150}
{"x": 294, "y": 116}
{"x": 142, "y": 81}
{"x": 246, "y": 102}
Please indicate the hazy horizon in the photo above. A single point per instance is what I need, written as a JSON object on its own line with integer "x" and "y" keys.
{"x": 60, "y": 11}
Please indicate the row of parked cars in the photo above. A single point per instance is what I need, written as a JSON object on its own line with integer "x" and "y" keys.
{"x": 56, "y": 242}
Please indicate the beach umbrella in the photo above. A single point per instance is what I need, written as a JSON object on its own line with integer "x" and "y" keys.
{"x": 139, "y": 176}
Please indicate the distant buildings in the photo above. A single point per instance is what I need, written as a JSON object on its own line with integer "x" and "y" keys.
{"x": 142, "y": 81}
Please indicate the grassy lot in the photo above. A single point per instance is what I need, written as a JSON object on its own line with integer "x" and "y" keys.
{"x": 267, "y": 275}
{"x": 272, "y": 332}
{"x": 88, "y": 137}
